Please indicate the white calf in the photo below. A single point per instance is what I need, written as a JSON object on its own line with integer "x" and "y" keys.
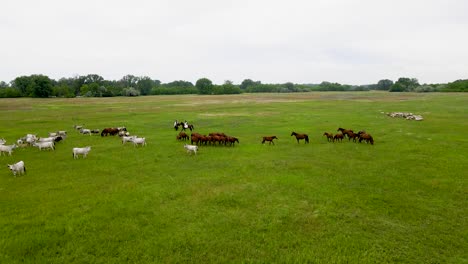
{"x": 44, "y": 145}
{"x": 17, "y": 168}
{"x": 139, "y": 141}
{"x": 191, "y": 148}
{"x": 9, "y": 149}
{"x": 81, "y": 151}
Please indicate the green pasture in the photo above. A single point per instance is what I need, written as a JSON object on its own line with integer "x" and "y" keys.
{"x": 403, "y": 199}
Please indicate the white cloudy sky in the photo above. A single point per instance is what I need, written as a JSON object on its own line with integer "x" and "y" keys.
{"x": 301, "y": 41}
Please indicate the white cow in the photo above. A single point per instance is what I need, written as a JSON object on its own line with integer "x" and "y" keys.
{"x": 17, "y": 168}
{"x": 126, "y": 139}
{"x": 85, "y": 131}
{"x": 9, "y": 149}
{"x": 139, "y": 141}
{"x": 81, "y": 151}
{"x": 44, "y": 145}
{"x": 47, "y": 139}
{"x": 191, "y": 148}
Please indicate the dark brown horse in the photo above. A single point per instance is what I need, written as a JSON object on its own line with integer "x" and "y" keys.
{"x": 345, "y": 132}
{"x": 367, "y": 137}
{"x": 269, "y": 139}
{"x": 329, "y": 136}
{"x": 182, "y": 136}
{"x": 231, "y": 140}
{"x": 300, "y": 136}
{"x": 339, "y": 137}
{"x": 109, "y": 131}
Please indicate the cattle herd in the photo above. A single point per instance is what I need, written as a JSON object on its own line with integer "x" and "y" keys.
{"x": 196, "y": 140}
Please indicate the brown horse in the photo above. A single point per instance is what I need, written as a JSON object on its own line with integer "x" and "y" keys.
{"x": 339, "y": 137}
{"x": 345, "y": 132}
{"x": 269, "y": 139}
{"x": 231, "y": 140}
{"x": 300, "y": 136}
{"x": 109, "y": 131}
{"x": 352, "y": 135}
{"x": 182, "y": 136}
{"x": 367, "y": 137}
{"x": 329, "y": 136}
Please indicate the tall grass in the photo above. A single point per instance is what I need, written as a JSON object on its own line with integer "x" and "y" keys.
{"x": 402, "y": 200}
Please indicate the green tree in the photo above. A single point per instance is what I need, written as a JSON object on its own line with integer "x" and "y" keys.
{"x": 384, "y": 85}
{"x": 42, "y": 86}
{"x": 24, "y": 84}
{"x": 248, "y": 83}
{"x": 204, "y": 86}
{"x": 404, "y": 85}
{"x": 144, "y": 85}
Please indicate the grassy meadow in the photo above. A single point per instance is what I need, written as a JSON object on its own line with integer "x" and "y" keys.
{"x": 403, "y": 199}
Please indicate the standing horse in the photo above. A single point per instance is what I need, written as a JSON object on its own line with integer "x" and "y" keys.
{"x": 345, "y": 132}
{"x": 329, "y": 136}
{"x": 300, "y": 136}
{"x": 269, "y": 139}
{"x": 186, "y": 125}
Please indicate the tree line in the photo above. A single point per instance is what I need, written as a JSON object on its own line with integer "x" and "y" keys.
{"x": 94, "y": 85}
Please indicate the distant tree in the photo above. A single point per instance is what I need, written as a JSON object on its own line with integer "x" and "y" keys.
{"x": 3, "y": 84}
{"x": 129, "y": 81}
{"x": 144, "y": 85}
{"x": 456, "y": 86}
{"x": 42, "y": 86}
{"x": 204, "y": 86}
{"x": 404, "y": 85}
{"x": 130, "y": 91}
{"x": 229, "y": 88}
{"x": 24, "y": 84}
{"x": 247, "y": 83}
{"x": 384, "y": 85}
{"x": 93, "y": 78}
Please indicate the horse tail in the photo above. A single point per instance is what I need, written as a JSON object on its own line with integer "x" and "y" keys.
{"x": 307, "y": 138}
{"x": 371, "y": 140}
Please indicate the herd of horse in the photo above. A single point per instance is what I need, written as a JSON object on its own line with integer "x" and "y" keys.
{"x": 349, "y": 133}
{"x": 216, "y": 138}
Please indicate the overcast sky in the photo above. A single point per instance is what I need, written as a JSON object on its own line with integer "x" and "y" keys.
{"x": 300, "y": 41}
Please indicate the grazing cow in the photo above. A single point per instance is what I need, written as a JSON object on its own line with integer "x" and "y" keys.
{"x": 126, "y": 139}
{"x": 77, "y": 127}
{"x": 109, "y": 131}
{"x": 95, "y": 131}
{"x": 5, "y": 148}
{"x": 191, "y": 148}
{"x": 81, "y": 151}
{"x": 85, "y": 131}
{"x": 47, "y": 139}
{"x": 124, "y": 133}
{"x": 44, "y": 145}
{"x": 17, "y": 168}
{"x": 139, "y": 141}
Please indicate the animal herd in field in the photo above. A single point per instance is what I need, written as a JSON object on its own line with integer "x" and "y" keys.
{"x": 196, "y": 140}
{"x": 50, "y": 143}
{"x": 349, "y": 133}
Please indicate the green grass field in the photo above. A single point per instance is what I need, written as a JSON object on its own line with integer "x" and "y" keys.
{"x": 403, "y": 199}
